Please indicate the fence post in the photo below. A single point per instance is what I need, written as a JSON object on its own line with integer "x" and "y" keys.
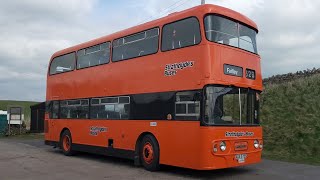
{"x": 9, "y": 126}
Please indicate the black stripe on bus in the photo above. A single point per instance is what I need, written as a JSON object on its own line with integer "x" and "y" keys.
{"x": 107, "y": 151}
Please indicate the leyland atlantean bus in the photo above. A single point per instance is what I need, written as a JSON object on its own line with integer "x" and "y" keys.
{"x": 182, "y": 90}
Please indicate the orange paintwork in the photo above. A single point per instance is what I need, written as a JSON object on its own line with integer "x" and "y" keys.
{"x": 182, "y": 143}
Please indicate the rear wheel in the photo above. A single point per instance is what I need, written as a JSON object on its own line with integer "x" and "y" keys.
{"x": 66, "y": 143}
{"x": 149, "y": 153}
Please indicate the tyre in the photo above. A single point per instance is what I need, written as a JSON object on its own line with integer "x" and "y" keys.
{"x": 149, "y": 153}
{"x": 66, "y": 143}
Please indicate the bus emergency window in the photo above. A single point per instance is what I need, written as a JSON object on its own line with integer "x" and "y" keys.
{"x": 110, "y": 108}
{"x": 136, "y": 45}
{"x": 62, "y": 64}
{"x": 187, "y": 105}
{"x": 93, "y": 56}
{"x": 229, "y": 32}
{"x": 181, "y": 34}
{"x": 74, "y": 109}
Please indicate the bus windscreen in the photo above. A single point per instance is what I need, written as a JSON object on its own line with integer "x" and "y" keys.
{"x": 231, "y": 106}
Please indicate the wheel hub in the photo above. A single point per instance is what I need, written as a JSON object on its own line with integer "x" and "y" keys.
{"x": 148, "y": 153}
{"x": 66, "y": 143}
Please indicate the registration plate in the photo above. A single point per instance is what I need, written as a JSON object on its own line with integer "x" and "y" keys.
{"x": 240, "y": 146}
{"x": 241, "y": 158}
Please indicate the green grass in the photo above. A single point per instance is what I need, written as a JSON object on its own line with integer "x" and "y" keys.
{"x": 290, "y": 115}
{"x": 25, "y": 104}
{"x": 25, "y": 136}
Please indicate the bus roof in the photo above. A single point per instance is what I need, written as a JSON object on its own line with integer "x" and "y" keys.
{"x": 199, "y": 11}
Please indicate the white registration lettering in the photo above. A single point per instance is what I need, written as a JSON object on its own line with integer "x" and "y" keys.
{"x": 153, "y": 123}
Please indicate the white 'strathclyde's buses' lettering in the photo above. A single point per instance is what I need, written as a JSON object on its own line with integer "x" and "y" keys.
{"x": 95, "y": 130}
{"x": 239, "y": 134}
{"x": 172, "y": 69}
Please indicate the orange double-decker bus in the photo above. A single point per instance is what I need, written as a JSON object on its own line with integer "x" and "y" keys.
{"x": 182, "y": 90}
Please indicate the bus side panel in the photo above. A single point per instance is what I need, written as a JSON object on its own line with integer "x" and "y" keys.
{"x": 182, "y": 143}
{"x": 179, "y": 141}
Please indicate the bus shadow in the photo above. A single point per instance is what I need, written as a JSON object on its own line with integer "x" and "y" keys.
{"x": 99, "y": 158}
{"x": 206, "y": 174}
{"x": 165, "y": 169}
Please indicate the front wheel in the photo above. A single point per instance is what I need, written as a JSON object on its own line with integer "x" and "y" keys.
{"x": 66, "y": 143}
{"x": 149, "y": 153}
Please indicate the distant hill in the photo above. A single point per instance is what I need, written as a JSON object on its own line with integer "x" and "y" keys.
{"x": 290, "y": 115}
{"x": 26, "y": 104}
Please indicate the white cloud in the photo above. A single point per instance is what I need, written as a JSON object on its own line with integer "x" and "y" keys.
{"x": 31, "y": 10}
{"x": 32, "y": 30}
{"x": 294, "y": 39}
{"x": 289, "y": 35}
{"x": 243, "y": 6}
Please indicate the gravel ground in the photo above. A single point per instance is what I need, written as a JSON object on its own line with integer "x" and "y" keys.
{"x": 31, "y": 159}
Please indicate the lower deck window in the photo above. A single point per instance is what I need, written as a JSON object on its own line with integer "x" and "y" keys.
{"x": 152, "y": 106}
{"x": 74, "y": 109}
{"x": 149, "y": 106}
{"x": 188, "y": 105}
{"x": 55, "y": 110}
{"x": 110, "y": 108}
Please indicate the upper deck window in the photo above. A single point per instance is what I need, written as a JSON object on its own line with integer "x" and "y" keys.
{"x": 140, "y": 44}
{"x": 62, "y": 64}
{"x": 229, "y": 32}
{"x": 181, "y": 34}
{"x": 94, "y": 55}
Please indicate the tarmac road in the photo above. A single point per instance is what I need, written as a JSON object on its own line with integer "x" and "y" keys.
{"x": 31, "y": 159}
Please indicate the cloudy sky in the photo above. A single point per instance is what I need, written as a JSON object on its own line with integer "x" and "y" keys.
{"x": 32, "y": 30}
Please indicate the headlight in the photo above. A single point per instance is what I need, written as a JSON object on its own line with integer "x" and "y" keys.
{"x": 261, "y": 145}
{"x": 256, "y": 144}
{"x": 223, "y": 146}
{"x": 215, "y": 148}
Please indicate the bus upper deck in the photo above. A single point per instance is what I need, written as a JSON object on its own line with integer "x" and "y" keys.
{"x": 184, "y": 47}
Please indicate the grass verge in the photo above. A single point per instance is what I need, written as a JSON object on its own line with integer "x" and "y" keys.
{"x": 291, "y": 120}
{"x": 25, "y": 136}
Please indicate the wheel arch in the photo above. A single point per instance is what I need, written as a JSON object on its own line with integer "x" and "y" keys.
{"x": 63, "y": 130}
